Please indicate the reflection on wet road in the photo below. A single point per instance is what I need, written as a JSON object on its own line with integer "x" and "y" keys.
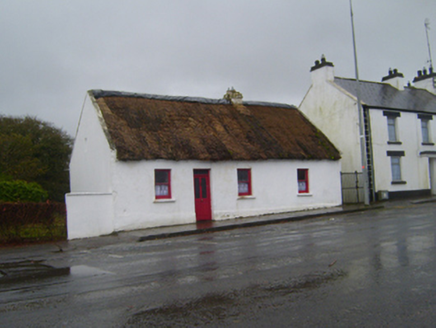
{"x": 364, "y": 269}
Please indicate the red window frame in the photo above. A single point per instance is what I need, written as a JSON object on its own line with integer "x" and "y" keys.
{"x": 160, "y": 184}
{"x": 244, "y": 178}
{"x": 303, "y": 181}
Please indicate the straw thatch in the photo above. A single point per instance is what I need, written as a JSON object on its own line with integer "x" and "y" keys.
{"x": 142, "y": 128}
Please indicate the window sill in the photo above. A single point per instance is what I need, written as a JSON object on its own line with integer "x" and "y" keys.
{"x": 165, "y": 200}
{"x": 427, "y": 144}
{"x": 395, "y": 143}
{"x": 398, "y": 182}
{"x": 304, "y": 195}
{"x": 246, "y": 197}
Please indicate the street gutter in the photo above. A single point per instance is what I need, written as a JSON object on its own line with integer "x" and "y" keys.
{"x": 250, "y": 224}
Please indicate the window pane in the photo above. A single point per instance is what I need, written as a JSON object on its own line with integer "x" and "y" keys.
{"x": 301, "y": 174}
{"x": 162, "y": 190}
{"x": 424, "y": 128}
{"x": 161, "y": 176}
{"x": 242, "y": 175}
{"x": 197, "y": 187}
{"x": 203, "y": 188}
{"x": 243, "y": 188}
{"x": 396, "y": 168}
{"x": 391, "y": 129}
{"x": 302, "y": 186}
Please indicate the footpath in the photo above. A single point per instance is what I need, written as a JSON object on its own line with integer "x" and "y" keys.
{"x": 145, "y": 235}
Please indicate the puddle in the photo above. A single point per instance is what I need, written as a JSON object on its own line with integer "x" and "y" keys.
{"x": 24, "y": 271}
{"x": 86, "y": 271}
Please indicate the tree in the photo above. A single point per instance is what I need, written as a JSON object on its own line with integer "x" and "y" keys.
{"x": 35, "y": 151}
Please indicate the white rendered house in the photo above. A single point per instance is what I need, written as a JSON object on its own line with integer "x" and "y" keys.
{"x": 399, "y": 128}
{"x": 143, "y": 161}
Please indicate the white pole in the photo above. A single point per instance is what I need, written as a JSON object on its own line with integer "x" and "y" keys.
{"x": 361, "y": 119}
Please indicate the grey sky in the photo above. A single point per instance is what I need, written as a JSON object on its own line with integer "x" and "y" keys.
{"x": 53, "y": 51}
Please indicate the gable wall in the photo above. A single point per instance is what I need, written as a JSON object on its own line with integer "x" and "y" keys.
{"x": 90, "y": 165}
{"x": 335, "y": 114}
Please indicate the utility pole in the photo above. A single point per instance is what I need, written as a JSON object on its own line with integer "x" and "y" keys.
{"x": 427, "y": 27}
{"x": 361, "y": 119}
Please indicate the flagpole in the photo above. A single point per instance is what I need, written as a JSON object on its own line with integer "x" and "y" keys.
{"x": 361, "y": 118}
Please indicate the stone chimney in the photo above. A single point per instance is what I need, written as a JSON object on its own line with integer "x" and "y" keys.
{"x": 395, "y": 79}
{"x": 322, "y": 71}
{"x": 425, "y": 80}
{"x": 233, "y": 96}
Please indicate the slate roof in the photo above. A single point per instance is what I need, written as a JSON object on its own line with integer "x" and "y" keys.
{"x": 143, "y": 126}
{"x": 383, "y": 95}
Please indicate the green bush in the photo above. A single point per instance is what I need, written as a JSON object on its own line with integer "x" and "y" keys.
{"x": 32, "y": 222}
{"x": 21, "y": 191}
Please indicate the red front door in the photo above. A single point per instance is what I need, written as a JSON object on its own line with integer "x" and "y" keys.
{"x": 203, "y": 210}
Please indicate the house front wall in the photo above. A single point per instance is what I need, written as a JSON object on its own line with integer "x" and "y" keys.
{"x": 415, "y": 167}
{"x": 336, "y": 115}
{"x": 274, "y": 190}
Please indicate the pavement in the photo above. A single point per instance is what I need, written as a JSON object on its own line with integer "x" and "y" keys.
{"x": 149, "y": 234}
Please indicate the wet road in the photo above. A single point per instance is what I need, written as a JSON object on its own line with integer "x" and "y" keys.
{"x": 368, "y": 269}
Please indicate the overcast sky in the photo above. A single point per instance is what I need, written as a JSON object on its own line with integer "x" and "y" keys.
{"x": 53, "y": 51}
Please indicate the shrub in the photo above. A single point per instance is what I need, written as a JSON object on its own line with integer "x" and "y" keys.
{"x": 21, "y": 191}
{"x": 28, "y": 222}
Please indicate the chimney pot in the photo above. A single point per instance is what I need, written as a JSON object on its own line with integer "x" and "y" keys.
{"x": 390, "y": 72}
{"x": 424, "y": 71}
{"x": 419, "y": 73}
{"x": 395, "y": 71}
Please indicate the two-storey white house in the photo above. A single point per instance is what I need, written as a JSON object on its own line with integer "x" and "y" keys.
{"x": 400, "y": 129}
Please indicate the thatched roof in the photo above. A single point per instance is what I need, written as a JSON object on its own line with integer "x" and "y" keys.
{"x": 142, "y": 127}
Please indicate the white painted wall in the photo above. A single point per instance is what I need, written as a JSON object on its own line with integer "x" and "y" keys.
{"x": 133, "y": 204}
{"x": 334, "y": 111}
{"x": 336, "y": 115}
{"x": 90, "y": 202}
{"x": 414, "y": 168}
{"x": 90, "y": 165}
{"x": 274, "y": 190}
{"x": 89, "y": 214}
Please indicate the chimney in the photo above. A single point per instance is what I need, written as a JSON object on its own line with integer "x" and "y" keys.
{"x": 233, "y": 96}
{"x": 395, "y": 79}
{"x": 425, "y": 81}
{"x": 322, "y": 71}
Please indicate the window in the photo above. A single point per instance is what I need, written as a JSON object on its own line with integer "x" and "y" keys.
{"x": 303, "y": 181}
{"x": 425, "y": 128}
{"x": 392, "y": 133}
{"x": 392, "y": 126}
{"x": 396, "y": 166}
{"x": 162, "y": 183}
{"x": 244, "y": 182}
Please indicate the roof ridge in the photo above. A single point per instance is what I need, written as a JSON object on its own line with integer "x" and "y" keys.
{"x": 98, "y": 93}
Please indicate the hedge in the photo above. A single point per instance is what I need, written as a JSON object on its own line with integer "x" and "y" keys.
{"x": 30, "y": 221}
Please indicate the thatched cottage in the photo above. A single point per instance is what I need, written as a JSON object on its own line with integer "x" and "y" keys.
{"x": 143, "y": 160}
